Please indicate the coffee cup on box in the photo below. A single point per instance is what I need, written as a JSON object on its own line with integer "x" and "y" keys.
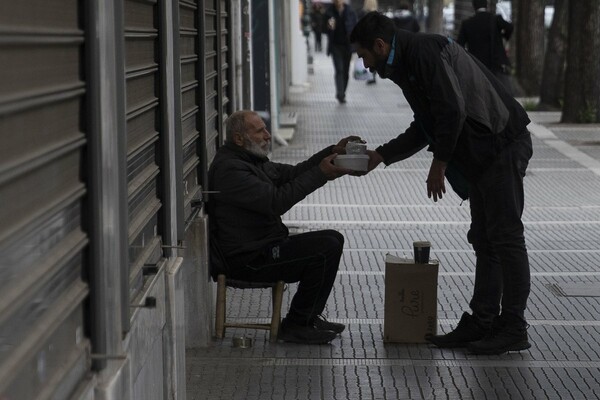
{"x": 421, "y": 250}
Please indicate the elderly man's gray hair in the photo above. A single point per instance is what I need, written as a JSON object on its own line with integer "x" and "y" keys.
{"x": 236, "y": 123}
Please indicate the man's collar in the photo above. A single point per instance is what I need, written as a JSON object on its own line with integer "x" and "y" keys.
{"x": 392, "y": 54}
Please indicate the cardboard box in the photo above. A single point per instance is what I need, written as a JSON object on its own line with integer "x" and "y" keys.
{"x": 410, "y": 300}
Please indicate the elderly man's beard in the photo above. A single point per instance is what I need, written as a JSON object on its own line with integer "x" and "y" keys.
{"x": 259, "y": 149}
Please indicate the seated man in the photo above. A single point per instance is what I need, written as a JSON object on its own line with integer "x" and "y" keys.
{"x": 245, "y": 217}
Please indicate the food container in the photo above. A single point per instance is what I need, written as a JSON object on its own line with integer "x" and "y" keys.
{"x": 356, "y": 148}
{"x": 355, "y": 162}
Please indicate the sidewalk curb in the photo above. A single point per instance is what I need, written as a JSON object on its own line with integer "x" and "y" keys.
{"x": 548, "y": 137}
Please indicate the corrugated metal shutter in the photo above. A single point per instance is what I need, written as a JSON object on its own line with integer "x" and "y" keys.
{"x": 214, "y": 51}
{"x": 142, "y": 55}
{"x": 43, "y": 351}
{"x": 191, "y": 101}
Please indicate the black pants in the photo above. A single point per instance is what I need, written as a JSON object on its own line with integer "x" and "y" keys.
{"x": 502, "y": 276}
{"x": 341, "y": 63}
{"x": 310, "y": 258}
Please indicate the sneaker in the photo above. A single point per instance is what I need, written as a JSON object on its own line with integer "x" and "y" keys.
{"x": 304, "y": 334}
{"x": 322, "y": 324}
{"x": 467, "y": 331}
{"x": 500, "y": 341}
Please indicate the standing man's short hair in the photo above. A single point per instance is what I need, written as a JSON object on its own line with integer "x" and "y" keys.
{"x": 372, "y": 26}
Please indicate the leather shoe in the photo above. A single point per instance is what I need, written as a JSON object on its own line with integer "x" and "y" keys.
{"x": 304, "y": 334}
{"x": 504, "y": 336}
{"x": 467, "y": 331}
{"x": 322, "y": 324}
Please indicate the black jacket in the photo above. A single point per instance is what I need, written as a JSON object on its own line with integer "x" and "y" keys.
{"x": 460, "y": 109}
{"x": 482, "y": 36}
{"x": 245, "y": 215}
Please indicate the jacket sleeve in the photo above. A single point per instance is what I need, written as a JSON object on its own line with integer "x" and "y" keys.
{"x": 288, "y": 172}
{"x": 244, "y": 186}
{"x": 403, "y": 146}
{"x": 438, "y": 81}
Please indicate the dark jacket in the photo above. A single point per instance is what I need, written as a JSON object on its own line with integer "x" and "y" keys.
{"x": 482, "y": 36}
{"x": 344, "y": 23}
{"x": 245, "y": 216}
{"x": 460, "y": 109}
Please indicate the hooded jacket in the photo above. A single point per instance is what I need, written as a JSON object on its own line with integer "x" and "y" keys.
{"x": 252, "y": 194}
{"x": 460, "y": 109}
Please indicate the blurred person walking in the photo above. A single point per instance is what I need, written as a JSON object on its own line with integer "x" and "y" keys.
{"x": 340, "y": 22}
{"x": 317, "y": 21}
{"x": 482, "y": 35}
{"x": 368, "y": 6}
{"x": 405, "y": 19}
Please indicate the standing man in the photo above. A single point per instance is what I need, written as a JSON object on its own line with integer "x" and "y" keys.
{"x": 252, "y": 193}
{"x": 340, "y": 22}
{"x": 482, "y": 35}
{"x": 479, "y": 140}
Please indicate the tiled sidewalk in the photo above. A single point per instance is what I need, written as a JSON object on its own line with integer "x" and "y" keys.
{"x": 385, "y": 211}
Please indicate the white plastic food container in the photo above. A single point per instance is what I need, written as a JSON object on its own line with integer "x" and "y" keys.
{"x": 355, "y": 162}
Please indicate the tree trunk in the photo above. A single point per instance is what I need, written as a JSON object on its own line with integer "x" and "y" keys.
{"x": 530, "y": 44}
{"x": 582, "y": 82}
{"x": 435, "y": 17}
{"x": 553, "y": 77}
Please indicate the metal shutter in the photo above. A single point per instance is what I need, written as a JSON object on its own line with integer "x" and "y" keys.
{"x": 43, "y": 351}
{"x": 142, "y": 55}
{"x": 191, "y": 101}
{"x": 214, "y": 70}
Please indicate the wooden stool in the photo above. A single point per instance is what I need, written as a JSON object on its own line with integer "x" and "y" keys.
{"x": 220, "y": 318}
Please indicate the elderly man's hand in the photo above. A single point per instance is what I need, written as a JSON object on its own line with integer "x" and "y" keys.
{"x": 330, "y": 170}
{"x": 340, "y": 148}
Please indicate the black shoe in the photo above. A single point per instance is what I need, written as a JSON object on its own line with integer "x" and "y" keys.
{"x": 371, "y": 82}
{"x": 500, "y": 341}
{"x": 467, "y": 331}
{"x": 341, "y": 99}
{"x": 305, "y": 334}
{"x": 323, "y": 325}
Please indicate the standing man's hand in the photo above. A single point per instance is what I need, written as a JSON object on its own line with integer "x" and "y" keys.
{"x": 436, "y": 186}
{"x": 340, "y": 148}
{"x": 374, "y": 159}
{"x": 330, "y": 170}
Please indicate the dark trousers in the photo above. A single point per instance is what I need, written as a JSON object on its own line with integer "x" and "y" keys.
{"x": 310, "y": 258}
{"x": 341, "y": 63}
{"x": 502, "y": 276}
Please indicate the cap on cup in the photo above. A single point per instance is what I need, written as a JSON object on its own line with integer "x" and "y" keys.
{"x": 421, "y": 251}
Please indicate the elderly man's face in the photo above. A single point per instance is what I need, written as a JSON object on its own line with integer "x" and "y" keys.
{"x": 257, "y": 138}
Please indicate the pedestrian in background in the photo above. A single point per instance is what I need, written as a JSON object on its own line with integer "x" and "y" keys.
{"x": 316, "y": 23}
{"x": 483, "y": 35}
{"x": 405, "y": 19}
{"x": 340, "y": 22}
{"x": 478, "y": 135}
{"x": 368, "y": 6}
